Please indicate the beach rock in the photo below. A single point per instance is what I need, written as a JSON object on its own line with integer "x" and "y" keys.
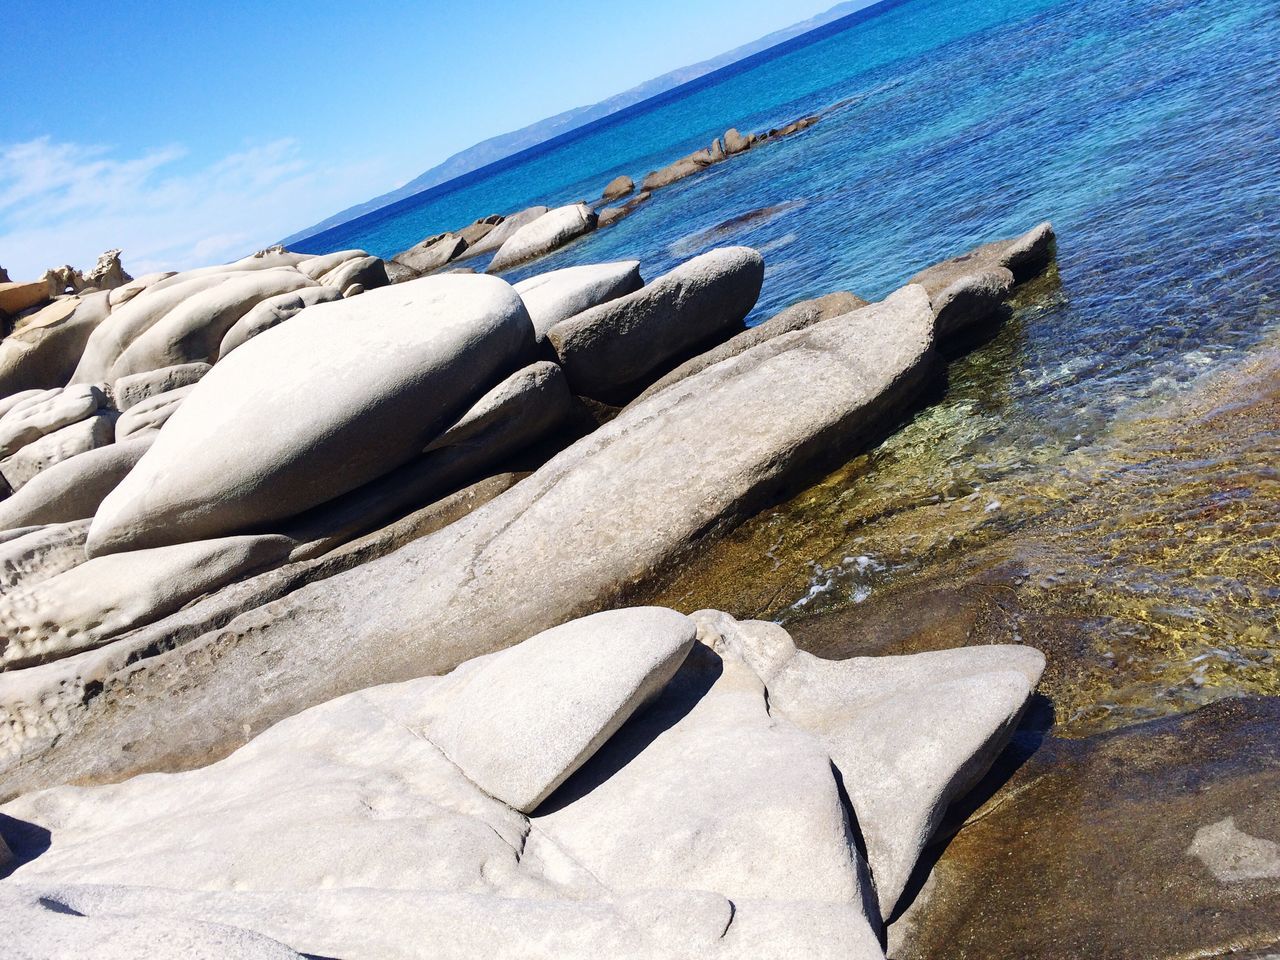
{"x": 74, "y": 488}
{"x": 549, "y": 232}
{"x": 353, "y": 291}
{"x": 385, "y": 373}
{"x": 970, "y": 289}
{"x": 46, "y": 412}
{"x": 612, "y": 351}
{"x": 16, "y": 297}
{"x": 478, "y": 230}
{"x": 796, "y": 317}
{"x": 524, "y": 409}
{"x": 597, "y": 522}
{"x": 123, "y": 294}
{"x": 717, "y": 151}
{"x": 108, "y": 273}
{"x": 273, "y": 258}
{"x": 1155, "y": 841}
{"x": 317, "y": 267}
{"x": 432, "y": 253}
{"x": 619, "y": 187}
{"x": 520, "y": 722}
{"x": 104, "y": 596}
{"x": 398, "y": 273}
{"x": 611, "y": 215}
{"x": 152, "y": 413}
{"x": 111, "y": 338}
{"x": 735, "y": 143}
{"x": 707, "y": 791}
{"x": 272, "y": 312}
{"x": 668, "y": 175}
{"x": 40, "y": 553}
{"x": 132, "y": 390}
{"x": 908, "y": 734}
{"x": 193, "y": 330}
{"x": 45, "y": 350}
{"x": 503, "y": 231}
{"x": 53, "y": 448}
{"x": 42, "y": 928}
{"x": 560, "y": 294}
{"x": 366, "y": 272}
{"x": 21, "y": 397}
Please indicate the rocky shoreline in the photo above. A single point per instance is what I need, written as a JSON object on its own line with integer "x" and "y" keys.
{"x": 370, "y": 537}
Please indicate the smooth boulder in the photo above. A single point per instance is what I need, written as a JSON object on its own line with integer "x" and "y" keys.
{"x": 501, "y": 233}
{"x": 520, "y": 722}
{"x": 432, "y": 253}
{"x": 152, "y": 413}
{"x": 548, "y": 233}
{"x": 132, "y": 390}
{"x": 53, "y": 448}
{"x": 45, "y": 350}
{"x": 384, "y": 373}
{"x": 45, "y": 413}
{"x": 560, "y": 294}
{"x": 193, "y": 330}
{"x": 74, "y": 488}
{"x": 619, "y": 187}
{"x": 104, "y": 596}
{"x": 272, "y": 312}
{"x": 612, "y": 351}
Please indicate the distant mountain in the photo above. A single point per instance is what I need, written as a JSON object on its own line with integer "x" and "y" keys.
{"x": 502, "y": 146}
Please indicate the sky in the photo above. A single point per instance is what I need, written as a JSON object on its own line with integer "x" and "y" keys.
{"x": 190, "y": 133}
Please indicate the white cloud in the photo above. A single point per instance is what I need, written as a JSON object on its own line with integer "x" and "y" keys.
{"x": 67, "y": 202}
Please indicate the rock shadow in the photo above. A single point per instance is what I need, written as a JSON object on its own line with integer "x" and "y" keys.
{"x": 25, "y": 841}
{"x": 678, "y": 698}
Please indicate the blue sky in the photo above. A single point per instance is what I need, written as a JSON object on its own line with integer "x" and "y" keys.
{"x": 189, "y": 133}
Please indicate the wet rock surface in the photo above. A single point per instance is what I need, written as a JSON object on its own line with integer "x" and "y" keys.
{"x": 1157, "y": 841}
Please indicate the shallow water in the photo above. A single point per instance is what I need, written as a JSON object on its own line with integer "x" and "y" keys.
{"x": 1077, "y": 439}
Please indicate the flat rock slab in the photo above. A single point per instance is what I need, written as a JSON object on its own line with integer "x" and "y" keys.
{"x": 611, "y": 351}
{"x": 521, "y": 721}
{"x": 1157, "y": 841}
{"x": 382, "y": 373}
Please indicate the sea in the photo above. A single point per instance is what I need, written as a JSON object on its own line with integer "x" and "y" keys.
{"x": 1149, "y": 134}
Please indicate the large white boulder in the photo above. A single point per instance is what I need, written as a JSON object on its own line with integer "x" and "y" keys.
{"x": 519, "y": 722}
{"x": 549, "y": 232}
{"x": 560, "y": 294}
{"x": 500, "y": 234}
{"x": 272, "y": 312}
{"x": 46, "y": 412}
{"x": 193, "y": 330}
{"x": 613, "y": 351}
{"x": 308, "y": 412}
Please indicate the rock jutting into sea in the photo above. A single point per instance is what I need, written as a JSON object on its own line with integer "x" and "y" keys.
{"x": 284, "y": 526}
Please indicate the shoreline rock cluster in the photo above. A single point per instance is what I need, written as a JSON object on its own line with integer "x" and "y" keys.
{"x": 517, "y": 238}
{"x": 242, "y": 500}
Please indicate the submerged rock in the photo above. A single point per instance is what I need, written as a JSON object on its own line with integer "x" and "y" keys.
{"x": 611, "y": 351}
{"x": 611, "y": 215}
{"x": 549, "y": 232}
{"x": 1157, "y": 841}
{"x": 560, "y": 294}
{"x": 383, "y": 374}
